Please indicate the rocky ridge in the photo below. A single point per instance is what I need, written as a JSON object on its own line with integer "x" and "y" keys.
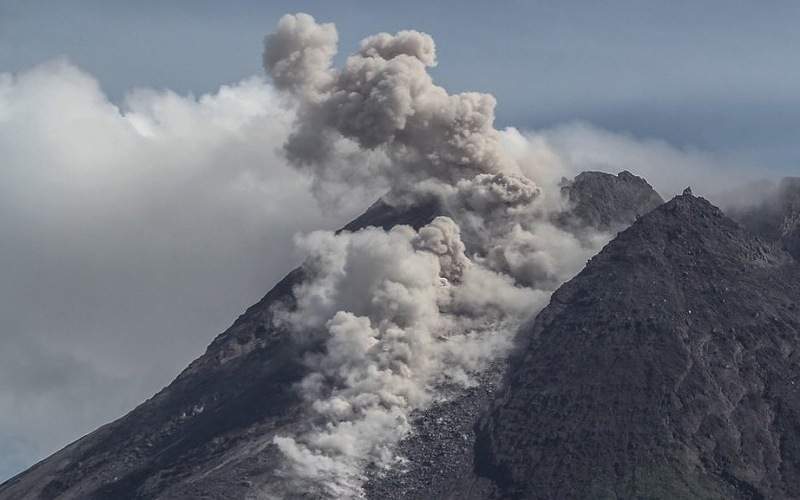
{"x": 607, "y": 202}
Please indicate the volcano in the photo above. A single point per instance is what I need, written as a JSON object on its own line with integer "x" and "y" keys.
{"x": 668, "y": 368}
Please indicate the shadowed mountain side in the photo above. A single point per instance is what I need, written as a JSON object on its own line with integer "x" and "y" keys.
{"x": 668, "y": 368}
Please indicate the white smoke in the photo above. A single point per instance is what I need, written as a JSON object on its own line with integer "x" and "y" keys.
{"x": 397, "y": 313}
{"x": 402, "y": 314}
{"x": 581, "y": 146}
{"x": 124, "y": 226}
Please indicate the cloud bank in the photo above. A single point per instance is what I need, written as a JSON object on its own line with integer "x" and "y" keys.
{"x": 124, "y": 228}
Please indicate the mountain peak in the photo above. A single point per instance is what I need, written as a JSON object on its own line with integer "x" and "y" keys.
{"x": 660, "y": 371}
{"x": 606, "y": 201}
{"x": 665, "y": 369}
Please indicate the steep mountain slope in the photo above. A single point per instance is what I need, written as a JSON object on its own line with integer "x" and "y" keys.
{"x": 440, "y": 454}
{"x": 668, "y": 368}
{"x": 209, "y": 433}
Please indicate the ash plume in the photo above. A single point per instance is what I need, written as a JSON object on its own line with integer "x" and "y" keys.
{"x": 382, "y": 98}
{"x": 402, "y": 314}
{"x": 390, "y": 309}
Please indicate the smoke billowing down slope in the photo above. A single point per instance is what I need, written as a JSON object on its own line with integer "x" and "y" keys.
{"x": 407, "y": 316}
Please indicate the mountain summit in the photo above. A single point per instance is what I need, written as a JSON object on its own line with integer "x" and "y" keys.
{"x": 668, "y": 368}
{"x": 607, "y": 202}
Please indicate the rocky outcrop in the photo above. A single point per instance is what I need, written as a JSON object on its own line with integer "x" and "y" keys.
{"x": 607, "y": 202}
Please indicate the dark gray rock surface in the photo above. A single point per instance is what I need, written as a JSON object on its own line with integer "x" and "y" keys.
{"x": 668, "y": 368}
{"x": 607, "y": 202}
{"x": 440, "y": 458}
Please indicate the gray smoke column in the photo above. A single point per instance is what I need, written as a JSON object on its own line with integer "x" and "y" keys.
{"x": 395, "y": 311}
{"x": 382, "y": 99}
{"x": 298, "y": 55}
{"x": 404, "y": 314}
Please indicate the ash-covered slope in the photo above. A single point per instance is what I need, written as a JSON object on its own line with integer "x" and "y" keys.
{"x": 668, "y": 368}
{"x": 209, "y": 433}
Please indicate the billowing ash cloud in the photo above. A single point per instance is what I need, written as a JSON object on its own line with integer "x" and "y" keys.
{"x": 382, "y": 98}
{"x": 395, "y": 310}
{"x": 403, "y": 314}
{"x": 298, "y": 55}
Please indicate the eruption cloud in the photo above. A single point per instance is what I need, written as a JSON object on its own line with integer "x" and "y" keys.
{"x": 404, "y": 316}
{"x": 393, "y": 311}
{"x": 382, "y": 98}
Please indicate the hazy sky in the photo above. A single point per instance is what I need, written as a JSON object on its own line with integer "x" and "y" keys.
{"x": 715, "y": 75}
{"x": 137, "y": 224}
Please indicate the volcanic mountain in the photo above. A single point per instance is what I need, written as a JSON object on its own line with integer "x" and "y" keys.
{"x": 209, "y": 433}
{"x": 668, "y": 368}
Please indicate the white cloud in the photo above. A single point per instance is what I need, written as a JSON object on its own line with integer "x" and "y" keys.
{"x": 581, "y": 147}
{"x": 126, "y": 228}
